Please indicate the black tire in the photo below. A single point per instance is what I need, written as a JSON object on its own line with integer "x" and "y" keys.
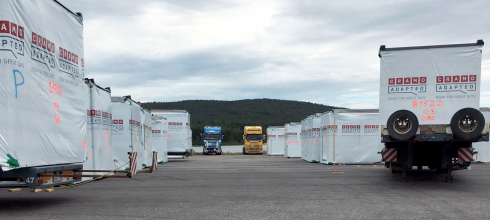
{"x": 464, "y": 132}
{"x": 407, "y": 133}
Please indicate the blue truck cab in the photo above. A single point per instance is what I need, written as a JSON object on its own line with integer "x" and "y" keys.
{"x": 212, "y": 138}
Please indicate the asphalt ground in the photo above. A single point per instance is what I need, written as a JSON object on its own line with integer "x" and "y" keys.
{"x": 261, "y": 187}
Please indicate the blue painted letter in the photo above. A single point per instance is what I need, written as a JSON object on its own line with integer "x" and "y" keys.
{"x": 15, "y": 80}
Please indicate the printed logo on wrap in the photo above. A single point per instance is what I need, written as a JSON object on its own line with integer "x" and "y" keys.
{"x": 117, "y": 125}
{"x": 351, "y": 129}
{"x": 68, "y": 63}
{"x": 316, "y": 132}
{"x": 43, "y": 51}
{"x": 11, "y": 38}
{"x": 106, "y": 118}
{"x": 175, "y": 125}
{"x": 413, "y": 85}
{"x": 371, "y": 129}
{"x": 332, "y": 129}
{"x": 94, "y": 117}
{"x": 292, "y": 137}
{"x": 459, "y": 83}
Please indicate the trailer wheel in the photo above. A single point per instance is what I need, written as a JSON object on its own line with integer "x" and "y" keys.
{"x": 402, "y": 125}
{"x": 467, "y": 123}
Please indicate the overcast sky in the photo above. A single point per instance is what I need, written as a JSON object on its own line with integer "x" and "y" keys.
{"x": 317, "y": 51}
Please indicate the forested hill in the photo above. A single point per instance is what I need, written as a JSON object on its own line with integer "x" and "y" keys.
{"x": 232, "y": 116}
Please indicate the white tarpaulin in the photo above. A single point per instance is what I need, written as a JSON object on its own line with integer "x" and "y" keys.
{"x": 433, "y": 83}
{"x": 42, "y": 90}
{"x": 99, "y": 120}
{"x": 126, "y": 131}
{"x": 304, "y": 123}
{"x": 89, "y": 162}
{"x": 293, "y": 139}
{"x": 483, "y": 148}
{"x": 309, "y": 138}
{"x": 351, "y": 138}
{"x": 158, "y": 138}
{"x": 146, "y": 137}
{"x": 315, "y": 139}
{"x": 275, "y": 140}
{"x": 178, "y": 130}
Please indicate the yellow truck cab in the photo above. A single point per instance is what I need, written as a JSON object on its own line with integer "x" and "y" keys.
{"x": 253, "y": 139}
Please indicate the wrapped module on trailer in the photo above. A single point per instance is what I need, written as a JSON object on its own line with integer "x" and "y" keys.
{"x": 275, "y": 140}
{"x": 99, "y": 129}
{"x": 158, "y": 138}
{"x": 429, "y": 106}
{"x": 292, "y": 133}
{"x": 350, "y": 136}
{"x": 146, "y": 139}
{"x": 42, "y": 88}
{"x": 126, "y": 131}
{"x": 178, "y": 130}
{"x": 316, "y": 145}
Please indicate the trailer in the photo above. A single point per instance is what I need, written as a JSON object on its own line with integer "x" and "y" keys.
{"x": 429, "y": 107}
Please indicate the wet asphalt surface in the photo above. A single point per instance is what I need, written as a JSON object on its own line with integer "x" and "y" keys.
{"x": 261, "y": 187}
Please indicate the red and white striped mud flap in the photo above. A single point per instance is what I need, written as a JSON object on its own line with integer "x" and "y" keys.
{"x": 132, "y": 163}
{"x": 155, "y": 161}
{"x": 465, "y": 154}
{"x": 389, "y": 155}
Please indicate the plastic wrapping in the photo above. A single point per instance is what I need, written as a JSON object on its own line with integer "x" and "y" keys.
{"x": 316, "y": 145}
{"x": 158, "y": 138}
{"x": 178, "y": 130}
{"x": 309, "y": 139}
{"x": 126, "y": 131}
{"x": 350, "y": 138}
{"x": 42, "y": 90}
{"x": 432, "y": 82}
{"x": 146, "y": 137}
{"x": 275, "y": 140}
{"x": 483, "y": 148}
{"x": 292, "y": 141}
{"x": 99, "y": 134}
{"x": 303, "y": 138}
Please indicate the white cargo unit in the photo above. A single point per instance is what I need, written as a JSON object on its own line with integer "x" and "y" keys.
{"x": 352, "y": 136}
{"x": 99, "y": 121}
{"x": 42, "y": 87}
{"x": 165, "y": 140}
{"x": 146, "y": 140}
{"x": 158, "y": 138}
{"x": 178, "y": 130}
{"x": 126, "y": 131}
{"x": 309, "y": 143}
{"x": 275, "y": 140}
{"x": 292, "y": 133}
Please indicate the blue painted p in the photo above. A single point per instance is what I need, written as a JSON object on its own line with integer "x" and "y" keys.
{"x": 16, "y": 72}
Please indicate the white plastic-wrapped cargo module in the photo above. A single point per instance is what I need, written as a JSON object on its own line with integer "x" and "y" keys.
{"x": 315, "y": 139}
{"x": 99, "y": 129}
{"x": 126, "y": 131}
{"x": 292, "y": 133}
{"x": 275, "y": 141}
{"x": 42, "y": 87}
{"x": 430, "y": 84}
{"x": 303, "y": 138}
{"x": 146, "y": 137}
{"x": 352, "y": 136}
{"x": 158, "y": 138}
{"x": 482, "y": 149}
{"x": 178, "y": 130}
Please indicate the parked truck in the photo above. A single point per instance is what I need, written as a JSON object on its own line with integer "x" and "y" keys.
{"x": 253, "y": 140}
{"x": 212, "y": 137}
{"x": 429, "y": 107}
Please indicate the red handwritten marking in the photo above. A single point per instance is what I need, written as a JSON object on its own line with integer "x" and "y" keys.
{"x": 57, "y": 115}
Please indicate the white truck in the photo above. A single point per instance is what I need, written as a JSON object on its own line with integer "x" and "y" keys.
{"x": 429, "y": 106}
